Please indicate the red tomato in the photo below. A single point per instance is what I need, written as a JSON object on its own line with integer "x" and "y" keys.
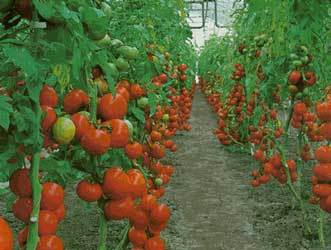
{"x": 137, "y": 237}
{"x": 116, "y": 184}
{"x": 48, "y": 96}
{"x": 20, "y": 184}
{"x": 50, "y": 242}
{"x": 139, "y": 218}
{"x": 89, "y": 192}
{"x": 323, "y": 111}
{"x": 60, "y": 212}
{"x": 148, "y": 202}
{"x": 160, "y": 214}
{"x": 120, "y": 133}
{"x": 138, "y": 183}
{"x": 155, "y": 243}
{"x": 74, "y": 100}
{"x": 82, "y": 125}
{"x": 96, "y": 141}
{"x": 49, "y": 118}
{"x": 6, "y": 236}
{"x": 22, "y": 209}
{"x": 119, "y": 209}
{"x": 110, "y": 107}
{"x": 47, "y": 222}
{"x": 52, "y": 196}
{"x": 136, "y": 91}
{"x": 22, "y": 236}
{"x": 123, "y": 92}
{"x": 134, "y": 150}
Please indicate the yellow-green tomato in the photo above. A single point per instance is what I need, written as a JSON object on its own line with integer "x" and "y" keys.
{"x": 64, "y": 130}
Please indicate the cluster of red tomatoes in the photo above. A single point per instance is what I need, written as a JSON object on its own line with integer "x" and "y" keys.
{"x": 322, "y": 171}
{"x": 52, "y": 209}
{"x": 272, "y": 166}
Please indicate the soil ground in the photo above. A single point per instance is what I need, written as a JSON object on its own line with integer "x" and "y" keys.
{"x": 213, "y": 205}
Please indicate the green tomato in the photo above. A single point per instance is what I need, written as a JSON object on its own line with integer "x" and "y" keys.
{"x": 115, "y": 43}
{"x": 130, "y": 126}
{"x": 142, "y": 102}
{"x": 64, "y": 130}
{"x": 5, "y": 5}
{"x": 106, "y": 9}
{"x": 122, "y": 64}
{"x": 113, "y": 70}
{"x": 104, "y": 42}
{"x": 294, "y": 56}
{"x": 158, "y": 182}
{"x": 128, "y": 52}
{"x": 297, "y": 63}
{"x": 165, "y": 117}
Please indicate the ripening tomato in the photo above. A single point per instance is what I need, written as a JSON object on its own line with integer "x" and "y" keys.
{"x": 47, "y": 222}
{"x": 22, "y": 209}
{"x": 138, "y": 183}
{"x": 48, "y": 96}
{"x": 50, "y": 242}
{"x": 134, "y": 150}
{"x": 120, "y": 133}
{"x": 155, "y": 243}
{"x": 96, "y": 141}
{"x": 49, "y": 118}
{"x": 119, "y": 209}
{"x": 6, "y": 236}
{"x": 74, "y": 100}
{"x": 89, "y": 192}
{"x": 82, "y": 125}
{"x": 137, "y": 237}
{"x": 160, "y": 214}
{"x": 52, "y": 196}
{"x": 110, "y": 107}
{"x": 116, "y": 184}
{"x": 64, "y": 130}
{"x": 20, "y": 184}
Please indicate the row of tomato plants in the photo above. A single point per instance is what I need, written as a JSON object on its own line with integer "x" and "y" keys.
{"x": 91, "y": 96}
{"x": 269, "y": 89}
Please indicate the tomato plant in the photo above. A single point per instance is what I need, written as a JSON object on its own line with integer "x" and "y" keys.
{"x": 267, "y": 80}
{"x": 98, "y": 109}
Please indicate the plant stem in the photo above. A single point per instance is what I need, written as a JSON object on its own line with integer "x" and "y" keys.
{"x": 103, "y": 231}
{"x": 321, "y": 228}
{"x": 295, "y": 193}
{"x": 124, "y": 238}
{"x": 36, "y": 195}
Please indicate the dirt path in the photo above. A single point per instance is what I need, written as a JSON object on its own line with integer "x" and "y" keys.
{"x": 210, "y": 190}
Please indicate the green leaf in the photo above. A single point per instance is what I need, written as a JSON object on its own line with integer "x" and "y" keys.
{"x": 22, "y": 58}
{"x": 139, "y": 114}
{"x": 5, "y": 111}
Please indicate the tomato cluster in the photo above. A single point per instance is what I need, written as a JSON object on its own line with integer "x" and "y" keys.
{"x": 52, "y": 209}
